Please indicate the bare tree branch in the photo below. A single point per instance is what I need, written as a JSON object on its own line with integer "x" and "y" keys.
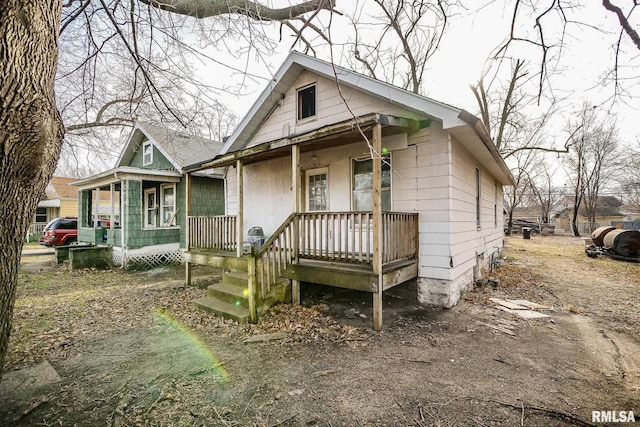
{"x": 257, "y": 11}
{"x": 624, "y": 20}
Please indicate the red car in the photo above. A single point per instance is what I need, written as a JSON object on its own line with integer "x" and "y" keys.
{"x": 60, "y": 231}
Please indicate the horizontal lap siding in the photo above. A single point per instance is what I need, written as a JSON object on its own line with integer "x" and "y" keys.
{"x": 467, "y": 240}
{"x": 267, "y": 194}
{"x": 330, "y": 109}
{"x": 421, "y": 184}
{"x": 231, "y": 191}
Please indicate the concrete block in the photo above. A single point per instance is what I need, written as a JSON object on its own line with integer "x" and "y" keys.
{"x": 99, "y": 257}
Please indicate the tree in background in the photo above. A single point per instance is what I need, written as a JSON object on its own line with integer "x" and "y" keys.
{"x": 545, "y": 193}
{"x": 31, "y": 127}
{"x": 394, "y": 39}
{"x": 630, "y": 181}
{"x": 590, "y": 162}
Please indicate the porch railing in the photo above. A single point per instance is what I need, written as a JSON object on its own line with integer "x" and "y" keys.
{"x": 348, "y": 236}
{"x": 37, "y": 227}
{"x": 216, "y": 232}
{"x": 337, "y": 237}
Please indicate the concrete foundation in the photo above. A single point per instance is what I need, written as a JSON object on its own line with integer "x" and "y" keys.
{"x": 447, "y": 293}
{"x": 443, "y": 293}
{"x": 99, "y": 257}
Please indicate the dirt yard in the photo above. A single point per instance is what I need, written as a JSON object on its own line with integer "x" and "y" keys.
{"x": 96, "y": 348}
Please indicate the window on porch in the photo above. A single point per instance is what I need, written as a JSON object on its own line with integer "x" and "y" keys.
{"x": 150, "y": 208}
{"x": 168, "y": 204}
{"x": 41, "y": 215}
{"x": 362, "y": 184}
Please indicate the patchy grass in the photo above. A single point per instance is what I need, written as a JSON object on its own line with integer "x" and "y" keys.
{"x": 601, "y": 287}
{"x": 55, "y": 308}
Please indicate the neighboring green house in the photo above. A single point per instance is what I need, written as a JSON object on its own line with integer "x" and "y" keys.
{"x": 145, "y": 197}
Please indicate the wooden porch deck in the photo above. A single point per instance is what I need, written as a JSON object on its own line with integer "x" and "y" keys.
{"x": 359, "y": 277}
{"x": 338, "y": 249}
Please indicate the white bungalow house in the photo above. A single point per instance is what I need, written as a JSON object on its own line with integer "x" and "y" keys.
{"x": 355, "y": 183}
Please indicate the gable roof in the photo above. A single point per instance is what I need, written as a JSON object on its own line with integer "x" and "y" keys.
{"x": 465, "y": 127}
{"x": 60, "y": 188}
{"x": 178, "y": 148}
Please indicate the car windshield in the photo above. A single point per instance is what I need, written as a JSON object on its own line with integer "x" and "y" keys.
{"x": 51, "y": 224}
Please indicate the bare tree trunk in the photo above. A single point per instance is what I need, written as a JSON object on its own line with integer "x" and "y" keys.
{"x": 574, "y": 224}
{"x": 30, "y": 131}
{"x": 510, "y": 223}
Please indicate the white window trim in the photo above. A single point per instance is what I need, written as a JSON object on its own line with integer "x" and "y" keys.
{"x": 352, "y": 202}
{"x": 315, "y": 100}
{"x": 163, "y": 187}
{"x": 308, "y": 174}
{"x": 147, "y": 208}
{"x": 144, "y": 148}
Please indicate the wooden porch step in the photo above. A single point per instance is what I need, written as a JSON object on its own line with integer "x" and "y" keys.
{"x": 225, "y": 260}
{"x": 236, "y": 278}
{"x": 230, "y": 292}
{"x": 225, "y": 309}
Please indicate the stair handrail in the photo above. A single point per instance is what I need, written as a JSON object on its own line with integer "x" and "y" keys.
{"x": 269, "y": 267}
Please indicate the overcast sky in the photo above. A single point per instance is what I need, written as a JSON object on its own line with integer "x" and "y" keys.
{"x": 471, "y": 37}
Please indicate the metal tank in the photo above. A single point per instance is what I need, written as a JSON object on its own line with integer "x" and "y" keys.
{"x": 625, "y": 243}
{"x": 598, "y": 234}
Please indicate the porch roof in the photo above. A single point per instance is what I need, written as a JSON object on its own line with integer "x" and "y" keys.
{"x": 123, "y": 173}
{"x": 323, "y": 137}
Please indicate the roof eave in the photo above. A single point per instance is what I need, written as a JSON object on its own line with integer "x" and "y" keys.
{"x": 476, "y": 124}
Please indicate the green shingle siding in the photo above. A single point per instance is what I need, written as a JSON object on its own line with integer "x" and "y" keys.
{"x": 160, "y": 162}
{"x": 207, "y": 199}
{"x": 207, "y": 196}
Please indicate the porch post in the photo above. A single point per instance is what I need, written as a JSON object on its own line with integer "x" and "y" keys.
{"x": 97, "y": 216}
{"x": 296, "y": 186}
{"x": 377, "y": 223}
{"x": 240, "y": 231}
{"x": 252, "y": 279}
{"x": 124, "y": 217}
{"x": 187, "y": 240}
{"x": 112, "y": 187}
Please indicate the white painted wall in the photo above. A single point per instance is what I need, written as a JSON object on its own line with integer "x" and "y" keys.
{"x": 471, "y": 247}
{"x": 330, "y": 108}
{"x": 231, "y": 191}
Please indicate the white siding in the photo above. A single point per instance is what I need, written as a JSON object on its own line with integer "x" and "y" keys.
{"x": 231, "y": 189}
{"x": 433, "y": 201}
{"x": 267, "y": 194}
{"x": 432, "y": 175}
{"x": 472, "y": 245}
{"x": 330, "y": 108}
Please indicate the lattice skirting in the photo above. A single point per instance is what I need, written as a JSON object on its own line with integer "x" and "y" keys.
{"x": 147, "y": 259}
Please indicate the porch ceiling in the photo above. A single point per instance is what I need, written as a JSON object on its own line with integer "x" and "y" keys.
{"x": 124, "y": 173}
{"x": 333, "y": 135}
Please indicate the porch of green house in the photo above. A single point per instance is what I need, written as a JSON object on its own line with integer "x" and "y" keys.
{"x": 340, "y": 249}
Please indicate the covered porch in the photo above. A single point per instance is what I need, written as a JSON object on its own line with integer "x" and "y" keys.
{"x": 371, "y": 250}
{"x": 132, "y": 210}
